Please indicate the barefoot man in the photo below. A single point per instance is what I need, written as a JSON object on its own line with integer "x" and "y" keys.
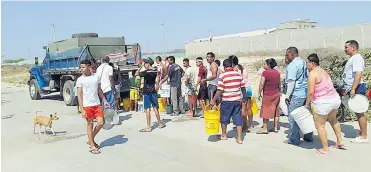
{"x": 230, "y": 86}
{"x": 88, "y": 89}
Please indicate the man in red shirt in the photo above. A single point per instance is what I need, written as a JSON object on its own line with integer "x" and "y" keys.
{"x": 202, "y": 92}
{"x": 230, "y": 86}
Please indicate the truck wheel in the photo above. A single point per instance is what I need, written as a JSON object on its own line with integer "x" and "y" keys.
{"x": 34, "y": 90}
{"x": 77, "y": 35}
{"x": 68, "y": 95}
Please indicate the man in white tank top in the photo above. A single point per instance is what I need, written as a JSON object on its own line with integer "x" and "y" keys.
{"x": 212, "y": 76}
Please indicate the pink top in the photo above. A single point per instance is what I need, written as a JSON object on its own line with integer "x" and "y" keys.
{"x": 324, "y": 89}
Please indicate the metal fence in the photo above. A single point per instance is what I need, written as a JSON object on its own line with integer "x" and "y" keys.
{"x": 320, "y": 37}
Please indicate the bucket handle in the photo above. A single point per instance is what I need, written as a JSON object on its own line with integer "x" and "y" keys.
{"x": 217, "y": 108}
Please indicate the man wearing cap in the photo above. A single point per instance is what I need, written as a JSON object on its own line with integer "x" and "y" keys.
{"x": 149, "y": 93}
{"x": 105, "y": 74}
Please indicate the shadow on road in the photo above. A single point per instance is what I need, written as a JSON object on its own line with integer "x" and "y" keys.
{"x": 52, "y": 97}
{"x": 119, "y": 139}
{"x": 316, "y": 144}
{"x": 126, "y": 117}
{"x": 349, "y": 131}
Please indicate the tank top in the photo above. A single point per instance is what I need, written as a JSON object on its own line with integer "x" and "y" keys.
{"x": 209, "y": 74}
{"x": 324, "y": 89}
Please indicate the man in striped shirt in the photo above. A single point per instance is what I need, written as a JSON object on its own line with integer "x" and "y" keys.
{"x": 230, "y": 86}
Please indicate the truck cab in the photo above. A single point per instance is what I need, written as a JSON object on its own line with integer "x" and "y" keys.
{"x": 59, "y": 70}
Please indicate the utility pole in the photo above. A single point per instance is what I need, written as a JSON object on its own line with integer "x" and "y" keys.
{"x": 163, "y": 39}
{"x": 53, "y": 25}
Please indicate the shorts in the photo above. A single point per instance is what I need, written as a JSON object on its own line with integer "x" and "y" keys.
{"x": 203, "y": 93}
{"x": 134, "y": 94}
{"x": 230, "y": 110}
{"x": 110, "y": 97}
{"x": 150, "y": 100}
{"x": 211, "y": 91}
{"x": 326, "y": 105}
{"x": 92, "y": 112}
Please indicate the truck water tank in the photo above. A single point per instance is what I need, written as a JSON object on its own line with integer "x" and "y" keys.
{"x": 76, "y": 35}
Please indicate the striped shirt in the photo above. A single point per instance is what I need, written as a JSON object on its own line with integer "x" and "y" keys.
{"x": 231, "y": 82}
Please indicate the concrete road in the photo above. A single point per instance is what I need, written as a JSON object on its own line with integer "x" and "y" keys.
{"x": 182, "y": 146}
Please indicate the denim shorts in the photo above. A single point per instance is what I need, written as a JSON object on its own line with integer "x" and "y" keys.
{"x": 230, "y": 110}
{"x": 150, "y": 100}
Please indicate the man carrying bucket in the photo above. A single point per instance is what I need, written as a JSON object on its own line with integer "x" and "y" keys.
{"x": 296, "y": 81}
{"x": 230, "y": 86}
{"x": 353, "y": 84}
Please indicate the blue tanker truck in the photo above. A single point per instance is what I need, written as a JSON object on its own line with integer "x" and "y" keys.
{"x": 60, "y": 68}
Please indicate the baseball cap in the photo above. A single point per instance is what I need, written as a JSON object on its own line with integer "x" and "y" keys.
{"x": 148, "y": 60}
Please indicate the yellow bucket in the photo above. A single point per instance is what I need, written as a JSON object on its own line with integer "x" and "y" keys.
{"x": 254, "y": 106}
{"x": 161, "y": 105}
{"x": 212, "y": 120}
{"x": 126, "y": 104}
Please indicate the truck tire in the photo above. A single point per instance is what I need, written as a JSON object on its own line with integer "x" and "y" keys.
{"x": 34, "y": 90}
{"x": 68, "y": 95}
{"x": 77, "y": 35}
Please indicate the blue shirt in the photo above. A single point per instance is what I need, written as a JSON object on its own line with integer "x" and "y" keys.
{"x": 293, "y": 71}
{"x": 175, "y": 73}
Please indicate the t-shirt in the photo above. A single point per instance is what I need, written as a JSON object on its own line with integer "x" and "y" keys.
{"x": 175, "y": 75}
{"x": 149, "y": 76}
{"x": 356, "y": 63}
{"x": 293, "y": 71}
{"x": 133, "y": 82}
{"x": 189, "y": 72}
{"x": 104, "y": 72}
{"x": 272, "y": 82}
{"x": 89, "y": 85}
{"x": 202, "y": 72}
{"x": 230, "y": 82}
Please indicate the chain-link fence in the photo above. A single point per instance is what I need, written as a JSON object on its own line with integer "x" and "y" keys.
{"x": 312, "y": 38}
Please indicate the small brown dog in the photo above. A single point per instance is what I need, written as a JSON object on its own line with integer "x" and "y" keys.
{"x": 44, "y": 121}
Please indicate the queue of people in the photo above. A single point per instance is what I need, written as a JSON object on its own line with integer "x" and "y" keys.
{"x": 226, "y": 85}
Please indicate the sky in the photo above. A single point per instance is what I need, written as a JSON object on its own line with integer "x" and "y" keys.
{"x": 26, "y": 26}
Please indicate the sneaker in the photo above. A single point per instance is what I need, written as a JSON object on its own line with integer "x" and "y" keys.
{"x": 359, "y": 139}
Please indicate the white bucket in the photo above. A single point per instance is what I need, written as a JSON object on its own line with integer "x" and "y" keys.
{"x": 358, "y": 103}
{"x": 304, "y": 119}
{"x": 164, "y": 91}
{"x": 111, "y": 118}
{"x": 283, "y": 105}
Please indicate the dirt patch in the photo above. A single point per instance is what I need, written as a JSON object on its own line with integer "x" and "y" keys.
{"x": 15, "y": 74}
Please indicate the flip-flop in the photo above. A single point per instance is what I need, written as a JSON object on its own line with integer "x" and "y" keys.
{"x": 240, "y": 143}
{"x": 96, "y": 145}
{"x": 162, "y": 126}
{"x": 273, "y": 130}
{"x": 321, "y": 152}
{"x": 262, "y": 132}
{"x": 144, "y": 130}
{"x": 94, "y": 151}
{"x": 341, "y": 147}
{"x": 220, "y": 137}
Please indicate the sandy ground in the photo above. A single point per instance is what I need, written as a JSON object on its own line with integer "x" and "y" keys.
{"x": 182, "y": 146}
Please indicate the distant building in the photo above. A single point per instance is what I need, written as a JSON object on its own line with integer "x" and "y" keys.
{"x": 297, "y": 24}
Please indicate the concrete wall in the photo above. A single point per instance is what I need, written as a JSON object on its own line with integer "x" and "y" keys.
{"x": 280, "y": 40}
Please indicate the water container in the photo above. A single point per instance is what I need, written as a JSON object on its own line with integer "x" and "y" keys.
{"x": 140, "y": 107}
{"x": 161, "y": 104}
{"x": 303, "y": 117}
{"x": 283, "y": 105}
{"x": 111, "y": 118}
{"x": 126, "y": 104}
{"x": 358, "y": 104}
{"x": 212, "y": 120}
{"x": 165, "y": 91}
{"x": 169, "y": 109}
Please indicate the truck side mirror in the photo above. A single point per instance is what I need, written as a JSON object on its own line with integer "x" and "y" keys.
{"x": 36, "y": 61}
{"x": 44, "y": 47}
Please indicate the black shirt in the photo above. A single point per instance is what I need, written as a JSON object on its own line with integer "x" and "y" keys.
{"x": 149, "y": 77}
{"x": 175, "y": 73}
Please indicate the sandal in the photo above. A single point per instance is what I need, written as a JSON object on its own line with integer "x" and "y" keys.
{"x": 144, "y": 130}
{"x": 161, "y": 126}
{"x": 273, "y": 130}
{"x": 318, "y": 151}
{"x": 341, "y": 147}
{"x": 94, "y": 151}
{"x": 222, "y": 138}
{"x": 95, "y": 144}
{"x": 262, "y": 132}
